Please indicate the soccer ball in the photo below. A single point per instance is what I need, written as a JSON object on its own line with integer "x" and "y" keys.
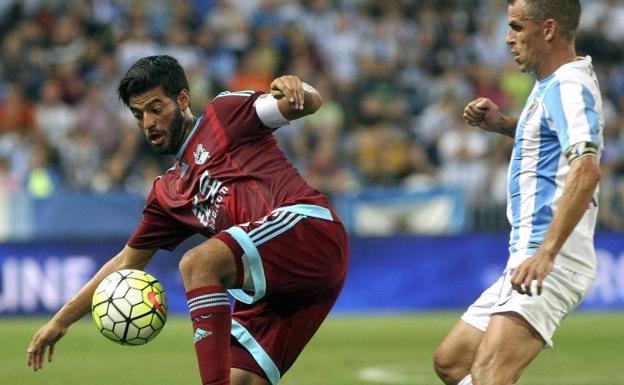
{"x": 129, "y": 307}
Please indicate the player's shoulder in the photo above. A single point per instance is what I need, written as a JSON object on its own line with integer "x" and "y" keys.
{"x": 572, "y": 83}
{"x": 234, "y": 94}
{"x": 579, "y": 72}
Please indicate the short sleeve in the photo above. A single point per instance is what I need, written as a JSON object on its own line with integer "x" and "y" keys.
{"x": 572, "y": 108}
{"x": 247, "y": 115}
{"x": 269, "y": 113}
{"x": 157, "y": 229}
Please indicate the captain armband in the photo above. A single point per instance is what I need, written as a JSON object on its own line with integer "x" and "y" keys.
{"x": 580, "y": 150}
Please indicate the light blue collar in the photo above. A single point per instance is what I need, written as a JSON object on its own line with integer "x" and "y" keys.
{"x": 188, "y": 139}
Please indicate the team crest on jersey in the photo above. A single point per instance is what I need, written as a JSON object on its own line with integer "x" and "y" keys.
{"x": 201, "y": 155}
{"x": 531, "y": 110}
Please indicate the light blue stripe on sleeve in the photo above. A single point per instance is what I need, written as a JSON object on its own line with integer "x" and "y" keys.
{"x": 255, "y": 267}
{"x": 593, "y": 120}
{"x": 309, "y": 211}
{"x": 263, "y": 359}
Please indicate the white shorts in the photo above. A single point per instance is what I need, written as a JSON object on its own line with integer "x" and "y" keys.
{"x": 563, "y": 290}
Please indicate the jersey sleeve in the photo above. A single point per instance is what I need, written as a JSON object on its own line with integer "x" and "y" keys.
{"x": 157, "y": 229}
{"x": 573, "y": 110}
{"x": 247, "y": 115}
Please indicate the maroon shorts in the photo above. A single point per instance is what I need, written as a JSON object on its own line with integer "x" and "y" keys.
{"x": 305, "y": 263}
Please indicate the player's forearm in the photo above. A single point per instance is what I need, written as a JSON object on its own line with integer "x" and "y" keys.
{"x": 577, "y": 196}
{"x": 508, "y": 126}
{"x": 80, "y": 304}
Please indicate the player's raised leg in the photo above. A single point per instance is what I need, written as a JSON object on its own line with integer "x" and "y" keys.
{"x": 454, "y": 357}
{"x": 508, "y": 346}
{"x": 207, "y": 270}
{"x": 244, "y": 377}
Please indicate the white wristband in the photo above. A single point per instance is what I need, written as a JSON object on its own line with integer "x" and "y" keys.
{"x": 269, "y": 113}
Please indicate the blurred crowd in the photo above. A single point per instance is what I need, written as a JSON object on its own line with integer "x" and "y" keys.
{"x": 395, "y": 76}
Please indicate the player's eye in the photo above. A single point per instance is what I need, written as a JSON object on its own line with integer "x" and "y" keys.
{"x": 157, "y": 110}
{"x": 137, "y": 115}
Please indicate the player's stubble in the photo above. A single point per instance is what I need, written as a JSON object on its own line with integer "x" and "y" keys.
{"x": 177, "y": 134}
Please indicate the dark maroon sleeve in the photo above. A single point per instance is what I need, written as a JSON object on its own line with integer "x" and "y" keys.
{"x": 238, "y": 117}
{"x": 157, "y": 229}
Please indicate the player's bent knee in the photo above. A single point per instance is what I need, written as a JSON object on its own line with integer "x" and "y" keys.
{"x": 205, "y": 265}
{"x": 244, "y": 377}
{"x": 450, "y": 370}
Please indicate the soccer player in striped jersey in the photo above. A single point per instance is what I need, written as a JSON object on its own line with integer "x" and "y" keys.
{"x": 272, "y": 240}
{"x": 553, "y": 183}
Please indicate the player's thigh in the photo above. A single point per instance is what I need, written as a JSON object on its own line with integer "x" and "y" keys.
{"x": 307, "y": 259}
{"x": 457, "y": 351}
{"x": 508, "y": 346}
{"x": 245, "y": 377}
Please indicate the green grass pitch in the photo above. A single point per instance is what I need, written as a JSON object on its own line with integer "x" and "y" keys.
{"x": 374, "y": 350}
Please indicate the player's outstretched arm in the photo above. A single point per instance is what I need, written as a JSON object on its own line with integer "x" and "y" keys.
{"x": 580, "y": 185}
{"x": 79, "y": 305}
{"x": 485, "y": 114}
{"x": 295, "y": 98}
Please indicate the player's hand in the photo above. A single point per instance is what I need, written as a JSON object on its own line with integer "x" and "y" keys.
{"x": 289, "y": 87}
{"x": 43, "y": 340}
{"x": 484, "y": 113}
{"x": 535, "y": 268}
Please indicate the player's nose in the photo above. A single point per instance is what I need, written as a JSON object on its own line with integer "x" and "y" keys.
{"x": 509, "y": 39}
{"x": 149, "y": 122}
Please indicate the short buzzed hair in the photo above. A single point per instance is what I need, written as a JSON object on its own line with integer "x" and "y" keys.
{"x": 566, "y": 13}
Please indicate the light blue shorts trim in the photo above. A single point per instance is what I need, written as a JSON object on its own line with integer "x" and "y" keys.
{"x": 290, "y": 215}
{"x": 263, "y": 359}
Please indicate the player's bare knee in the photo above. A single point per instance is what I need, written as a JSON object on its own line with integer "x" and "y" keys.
{"x": 200, "y": 266}
{"x": 449, "y": 369}
{"x": 243, "y": 377}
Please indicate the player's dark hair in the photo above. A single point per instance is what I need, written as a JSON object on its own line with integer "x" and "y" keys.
{"x": 150, "y": 72}
{"x": 566, "y": 13}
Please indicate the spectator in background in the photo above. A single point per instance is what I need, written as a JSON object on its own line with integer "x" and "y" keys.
{"x": 95, "y": 115}
{"x": 17, "y": 113}
{"x": 17, "y": 130}
{"x": 54, "y": 118}
{"x": 8, "y": 182}
{"x": 463, "y": 152}
{"x": 43, "y": 179}
{"x": 327, "y": 172}
{"x": 80, "y": 158}
{"x": 357, "y": 47}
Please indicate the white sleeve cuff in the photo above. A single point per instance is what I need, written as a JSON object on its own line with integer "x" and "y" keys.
{"x": 269, "y": 113}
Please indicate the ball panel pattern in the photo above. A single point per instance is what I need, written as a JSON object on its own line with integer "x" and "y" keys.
{"x": 129, "y": 307}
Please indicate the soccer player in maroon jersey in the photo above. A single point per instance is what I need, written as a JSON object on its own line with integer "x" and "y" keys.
{"x": 273, "y": 241}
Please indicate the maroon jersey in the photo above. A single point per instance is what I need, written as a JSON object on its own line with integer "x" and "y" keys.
{"x": 229, "y": 170}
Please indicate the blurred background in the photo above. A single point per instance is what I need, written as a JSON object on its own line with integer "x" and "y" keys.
{"x": 422, "y": 194}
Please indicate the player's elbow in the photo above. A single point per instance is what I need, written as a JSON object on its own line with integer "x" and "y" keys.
{"x": 592, "y": 174}
{"x": 586, "y": 172}
{"x": 313, "y": 101}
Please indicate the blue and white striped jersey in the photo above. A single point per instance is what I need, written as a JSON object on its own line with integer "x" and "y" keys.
{"x": 563, "y": 109}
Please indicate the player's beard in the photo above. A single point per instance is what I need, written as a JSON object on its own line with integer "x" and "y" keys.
{"x": 176, "y": 133}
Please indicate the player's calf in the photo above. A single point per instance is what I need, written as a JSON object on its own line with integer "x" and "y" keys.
{"x": 206, "y": 272}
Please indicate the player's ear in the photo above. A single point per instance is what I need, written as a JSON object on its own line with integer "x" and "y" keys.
{"x": 550, "y": 28}
{"x": 184, "y": 99}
